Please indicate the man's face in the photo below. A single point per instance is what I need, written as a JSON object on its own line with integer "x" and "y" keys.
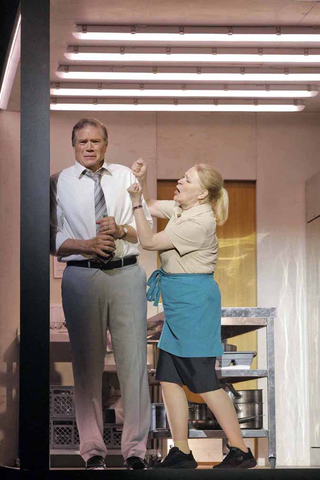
{"x": 90, "y": 147}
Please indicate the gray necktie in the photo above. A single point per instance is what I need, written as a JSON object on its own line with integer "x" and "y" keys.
{"x": 100, "y": 206}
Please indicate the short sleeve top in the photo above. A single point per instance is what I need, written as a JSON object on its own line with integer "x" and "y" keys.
{"x": 193, "y": 234}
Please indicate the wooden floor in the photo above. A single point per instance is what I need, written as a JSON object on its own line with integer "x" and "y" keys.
{"x": 198, "y": 474}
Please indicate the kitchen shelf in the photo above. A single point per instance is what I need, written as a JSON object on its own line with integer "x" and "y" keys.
{"x": 236, "y": 321}
{"x": 59, "y": 336}
{"x": 237, "y": 375}
{"x": 198, "y": 433}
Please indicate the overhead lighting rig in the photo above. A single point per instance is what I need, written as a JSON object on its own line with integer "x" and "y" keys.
{"x": 187, "y": 74}
{"x": 192, "y": 34}
{"x": 144, "y": 105}
{"x": 182, "y": 91}
{"x": 189, "y": 68}
{"x": 197, "y": 55}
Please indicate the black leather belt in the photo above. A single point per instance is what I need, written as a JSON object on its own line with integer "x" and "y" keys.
{"x": 122, "y": 262}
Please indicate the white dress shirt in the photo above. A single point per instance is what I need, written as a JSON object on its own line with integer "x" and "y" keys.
{"x": 73, "y": 210}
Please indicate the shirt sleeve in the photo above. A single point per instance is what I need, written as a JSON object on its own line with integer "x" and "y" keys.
{"x": 186, "y": 236}
{"x": 57, "y": 236}
{"x": 166, "y": 207}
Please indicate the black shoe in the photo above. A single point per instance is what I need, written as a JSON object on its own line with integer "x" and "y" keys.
{"x": 236, "y": 458}
{"x": 135, "y": 463}
{"x": 96, "y": 463}
{"x": 177, "y": 459}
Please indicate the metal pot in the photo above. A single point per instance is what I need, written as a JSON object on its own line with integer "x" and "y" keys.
{"x": 248, "y": 405}
{"x": 201, "y": 415}
{"x": 248, "y": 409}
{"x": 227, "y": 347}
{"x": 248, "y": 396}
{"x": 158, "y": 417}
{"x": 243, "y": 396}
{"x": 250, "y": 415}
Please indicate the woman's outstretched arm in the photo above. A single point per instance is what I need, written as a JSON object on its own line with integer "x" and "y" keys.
{"x": 148, "y": 239}
{"x": 140, "y": 170}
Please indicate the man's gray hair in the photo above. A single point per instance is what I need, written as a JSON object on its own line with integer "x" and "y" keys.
{"x": 89, "y": 121}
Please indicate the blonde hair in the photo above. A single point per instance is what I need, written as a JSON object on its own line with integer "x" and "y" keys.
{"x": 212, "y": 181}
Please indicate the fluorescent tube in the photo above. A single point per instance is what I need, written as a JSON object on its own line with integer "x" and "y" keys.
{"x": 232, "y": 91}
{"x": 76, "y": 73}
{"x": 82, "y": 54}
{"x": 175, "y": 34}
{"x": 175, "y": 107}
{"x": 11, "y": 66}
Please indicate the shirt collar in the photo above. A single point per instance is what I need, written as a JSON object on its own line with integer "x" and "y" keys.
{"x": 80, "y": 169}
{"x": 193, "y": 211}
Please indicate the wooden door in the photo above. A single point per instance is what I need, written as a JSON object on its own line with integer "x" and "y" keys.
{"x": 236, "y": 270}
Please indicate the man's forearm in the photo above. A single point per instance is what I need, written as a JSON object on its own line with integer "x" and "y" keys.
{"x": 131, "y": 236}
{"x": 102, "y": 244}
{"x": 73, "y": 247}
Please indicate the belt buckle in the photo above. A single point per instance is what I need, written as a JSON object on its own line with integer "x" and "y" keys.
{"x": 122, "y": 261}
{"x": 89, "y": 264}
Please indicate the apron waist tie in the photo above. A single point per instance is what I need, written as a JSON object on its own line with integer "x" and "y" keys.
{"x": 154, "y": 284}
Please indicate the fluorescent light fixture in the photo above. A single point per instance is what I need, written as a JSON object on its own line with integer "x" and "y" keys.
{"x": 157, "y": 106}
{"x": 182, "y": 91}
{"x": 185, "y": 34}
{"x": 11, "y": 65}
{"x": 195, "y": 55}
{"x": 192, "y": 74}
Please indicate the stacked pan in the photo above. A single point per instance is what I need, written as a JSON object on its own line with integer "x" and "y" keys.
{"x": 248, "y": 405}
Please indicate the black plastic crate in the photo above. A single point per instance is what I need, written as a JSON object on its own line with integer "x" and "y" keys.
{"x": 64, "y": 434}
{"x": 62, "y": 403}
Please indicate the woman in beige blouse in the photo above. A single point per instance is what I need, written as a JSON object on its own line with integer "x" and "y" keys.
{"x": 191, "y": 336}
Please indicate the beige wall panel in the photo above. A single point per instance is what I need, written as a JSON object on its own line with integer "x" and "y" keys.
{"x": 313, "y": 197}
{"x": 9, "y": 284}
{"x": 227, "y": 141}
{"x": 313, "y": 282}
{"x": 288, "y": 154}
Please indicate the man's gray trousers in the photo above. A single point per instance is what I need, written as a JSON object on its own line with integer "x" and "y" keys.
{"x": 94, "y": 301}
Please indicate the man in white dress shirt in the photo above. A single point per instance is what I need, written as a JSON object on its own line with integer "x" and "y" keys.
{"x": 103, "y": 287}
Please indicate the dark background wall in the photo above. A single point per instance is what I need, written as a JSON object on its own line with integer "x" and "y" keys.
{"x": 8, "y": 9}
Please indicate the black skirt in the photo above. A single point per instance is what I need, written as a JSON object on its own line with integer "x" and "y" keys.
{"x": 197, "y": 373}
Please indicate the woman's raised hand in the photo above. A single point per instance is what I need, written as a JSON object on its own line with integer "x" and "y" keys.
{"x": 139, "y": 169}
{"x": 135, "y": 192}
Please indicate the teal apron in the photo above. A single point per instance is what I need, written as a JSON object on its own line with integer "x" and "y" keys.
{"x": 192, "y": 309}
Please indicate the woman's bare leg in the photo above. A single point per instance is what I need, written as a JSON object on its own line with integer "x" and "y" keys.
{"x": 177, "y": 409}
{"x": 223, "y": 409}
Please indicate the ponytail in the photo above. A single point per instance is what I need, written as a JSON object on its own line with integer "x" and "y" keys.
{"x": 221, "y": 207}
{"x": 212, "y": 181}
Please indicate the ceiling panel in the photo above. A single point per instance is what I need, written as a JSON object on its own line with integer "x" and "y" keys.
{"x": 65, "y": 14}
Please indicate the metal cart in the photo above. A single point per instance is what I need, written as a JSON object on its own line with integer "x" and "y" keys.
{"x": 236, "y": 321}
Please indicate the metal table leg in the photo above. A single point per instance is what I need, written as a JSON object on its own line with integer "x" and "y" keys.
{"x": 271, "y": 393}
